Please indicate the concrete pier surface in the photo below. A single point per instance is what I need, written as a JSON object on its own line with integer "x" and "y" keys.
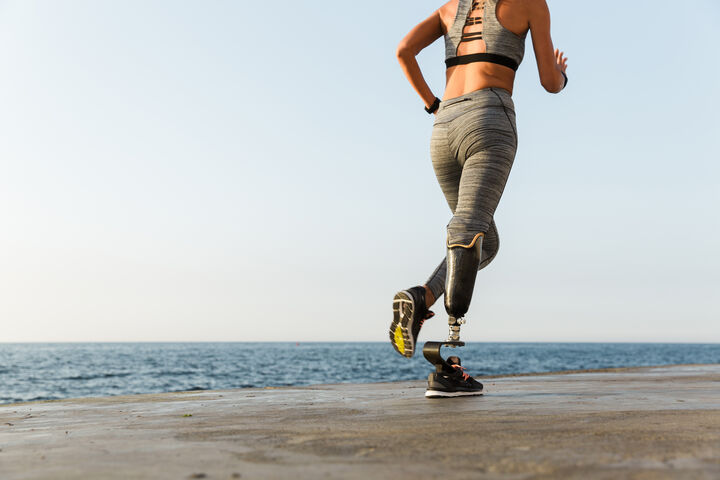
{"x": 643, "y": 423}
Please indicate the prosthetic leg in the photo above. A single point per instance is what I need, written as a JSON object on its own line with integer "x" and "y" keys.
{"x": 448, "y": 380}
{"x": 462, "y": 268}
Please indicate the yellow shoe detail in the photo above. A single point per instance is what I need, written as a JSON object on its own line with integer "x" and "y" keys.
{"x": 399, "y": 340}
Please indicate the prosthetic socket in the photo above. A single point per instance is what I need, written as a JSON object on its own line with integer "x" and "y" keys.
{"x": 462, "y": 268}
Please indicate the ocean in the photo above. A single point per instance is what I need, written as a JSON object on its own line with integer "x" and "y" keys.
{"x": 70, "y": 370}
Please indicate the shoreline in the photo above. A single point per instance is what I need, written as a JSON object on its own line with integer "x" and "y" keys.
{"x": 271, "y": 387}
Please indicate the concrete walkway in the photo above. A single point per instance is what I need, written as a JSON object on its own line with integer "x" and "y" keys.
{"x": 634, "y": 423}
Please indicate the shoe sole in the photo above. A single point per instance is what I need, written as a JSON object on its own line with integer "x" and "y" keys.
{"x": 402, "y": 324}
{"x": 441, "y": 394}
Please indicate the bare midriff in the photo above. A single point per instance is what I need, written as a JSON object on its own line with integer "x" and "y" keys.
{"x": 463, "y": 79}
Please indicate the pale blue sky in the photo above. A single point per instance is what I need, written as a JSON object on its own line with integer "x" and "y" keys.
{"x": 221, "y": 170}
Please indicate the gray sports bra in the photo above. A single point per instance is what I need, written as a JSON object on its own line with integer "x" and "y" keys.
{"x": 503, "y": 47}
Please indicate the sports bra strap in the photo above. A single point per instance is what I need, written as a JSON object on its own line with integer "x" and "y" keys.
{"x": 482, "y": 57}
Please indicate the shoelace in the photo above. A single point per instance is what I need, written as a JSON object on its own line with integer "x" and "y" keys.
{"x": 462, "y": 370}
{"x": 428, "y": 316}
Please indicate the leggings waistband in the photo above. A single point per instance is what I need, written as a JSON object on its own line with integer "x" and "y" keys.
{"x": 485, "y": 97}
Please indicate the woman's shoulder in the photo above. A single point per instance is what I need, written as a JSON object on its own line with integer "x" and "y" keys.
{"x": 523, "y": 11}
{"x": 524, "y": 4}
{"x": 447, "y": 13}
{"x": 534, "y": 5}
{"x": 449, "y": 7}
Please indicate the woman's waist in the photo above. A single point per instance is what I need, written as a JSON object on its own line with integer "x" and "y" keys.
{"x": 482, "y": 98}
{"x": 464, "y": 79}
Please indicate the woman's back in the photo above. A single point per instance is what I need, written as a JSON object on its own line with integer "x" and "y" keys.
{"x": 484, "y": 43}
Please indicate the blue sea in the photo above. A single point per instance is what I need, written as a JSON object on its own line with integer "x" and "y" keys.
{"x": 71, "y": 370}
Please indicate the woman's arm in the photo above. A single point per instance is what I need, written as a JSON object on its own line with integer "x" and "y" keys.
{"x": 419, "y": 37}
{"x": 551, "y": 62}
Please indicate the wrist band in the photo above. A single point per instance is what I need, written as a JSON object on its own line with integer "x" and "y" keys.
{"x": 433, "y": 108}
{"x": 566, "y": 80}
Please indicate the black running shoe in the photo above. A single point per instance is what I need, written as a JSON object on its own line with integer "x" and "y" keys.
{"x": 409, "y": 314}
{"x": 452, "y": 382}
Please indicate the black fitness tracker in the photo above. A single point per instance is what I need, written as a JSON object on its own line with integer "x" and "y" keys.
{"x": 566, "y": 79}
{"x": 433, "y": 108}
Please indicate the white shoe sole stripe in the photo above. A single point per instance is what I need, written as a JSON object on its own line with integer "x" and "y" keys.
{"x": 441, "y": 394}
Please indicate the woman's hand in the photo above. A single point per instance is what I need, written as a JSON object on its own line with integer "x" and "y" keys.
{"x": 561, "y": 60}
{"x": 551, "y": 62}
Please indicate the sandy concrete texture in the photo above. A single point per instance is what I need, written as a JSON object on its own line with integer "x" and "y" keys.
{"x": 650, "y": 423}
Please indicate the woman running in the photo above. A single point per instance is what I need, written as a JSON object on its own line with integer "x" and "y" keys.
{"x": 472, "y": 147}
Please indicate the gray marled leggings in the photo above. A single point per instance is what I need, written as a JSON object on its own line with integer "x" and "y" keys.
{"x": 473, "y": 147}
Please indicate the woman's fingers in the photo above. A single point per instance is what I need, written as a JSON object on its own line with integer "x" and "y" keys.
{"x": 561, "y": 59}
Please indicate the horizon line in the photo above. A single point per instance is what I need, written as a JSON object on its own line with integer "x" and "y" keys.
{"x": 75, "y": 342}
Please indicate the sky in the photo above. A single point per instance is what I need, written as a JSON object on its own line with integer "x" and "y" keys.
{"x": 177, "y": 170}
